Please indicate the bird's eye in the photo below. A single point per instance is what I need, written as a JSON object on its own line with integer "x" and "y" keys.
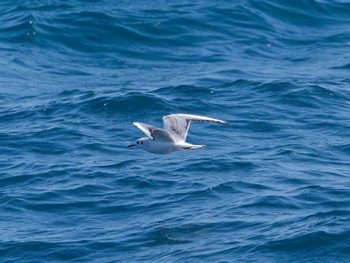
{"x": 137, "y": 142}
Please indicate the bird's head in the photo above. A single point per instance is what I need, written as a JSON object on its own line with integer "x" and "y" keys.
{"x": 139, "y": 142}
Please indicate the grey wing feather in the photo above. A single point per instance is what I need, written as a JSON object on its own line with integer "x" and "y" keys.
{"x": 154, "y": 132}
{"x": 179, "y": 124}
{"x": 162, "y": 135}
{"x": 147, "y": 129}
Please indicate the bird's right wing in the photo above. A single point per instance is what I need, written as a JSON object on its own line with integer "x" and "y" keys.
{"x": 178, "y": 124}
{"x": 154, "y": 132}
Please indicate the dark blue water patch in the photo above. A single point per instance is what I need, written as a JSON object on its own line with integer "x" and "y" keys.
{"x": 332, "y": 217}
{"x": 332, "y": 197}
{"x": 132, "y": 103}
{"x": 310, "y": 241}
{"x": 344, "y": 148}
{"x": 185, "y": 91}
{"x": 162, "y": 237}
{"x": 114, "y": 104}
{"x": 55, "y": 251}
{"x": 344, "y": 67}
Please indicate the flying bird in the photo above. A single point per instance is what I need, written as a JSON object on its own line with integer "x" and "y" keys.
{"x": 173, "y": 135}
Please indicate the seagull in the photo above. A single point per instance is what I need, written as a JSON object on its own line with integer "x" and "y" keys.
{"x": 173, "y": 135}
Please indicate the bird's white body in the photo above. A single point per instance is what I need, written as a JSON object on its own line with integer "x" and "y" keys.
{"x": 172, "y": 137}
{"x": 154, "y": 146}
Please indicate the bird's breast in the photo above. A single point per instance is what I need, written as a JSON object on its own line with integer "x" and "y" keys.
{"x": 160, "y": 147}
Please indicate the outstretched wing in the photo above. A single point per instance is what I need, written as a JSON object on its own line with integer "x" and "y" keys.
{"x": 178, "y": 124}
{"x": 154, "y": 132}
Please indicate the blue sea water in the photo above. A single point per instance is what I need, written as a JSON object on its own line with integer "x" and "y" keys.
{"x": 274, "y": 186}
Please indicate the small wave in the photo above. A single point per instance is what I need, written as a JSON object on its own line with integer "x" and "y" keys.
{"x": 302, "y": 242}
{"x": 345, "y": 67}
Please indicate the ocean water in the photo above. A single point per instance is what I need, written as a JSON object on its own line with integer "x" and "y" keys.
{"x": 274, "y": 186}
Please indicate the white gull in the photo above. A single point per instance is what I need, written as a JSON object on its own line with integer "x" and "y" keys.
{"x": 173, "y": 135}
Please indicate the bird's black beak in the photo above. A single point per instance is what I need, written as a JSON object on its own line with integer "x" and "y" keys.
{"x": 131, "y": 145}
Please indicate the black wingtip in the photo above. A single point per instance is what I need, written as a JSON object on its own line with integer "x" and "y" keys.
{"x": 224, "y": 122}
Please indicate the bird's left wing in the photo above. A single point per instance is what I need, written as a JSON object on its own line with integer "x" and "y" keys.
{"x": 147, "y": 129}
{"x": 154, "y": 132}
